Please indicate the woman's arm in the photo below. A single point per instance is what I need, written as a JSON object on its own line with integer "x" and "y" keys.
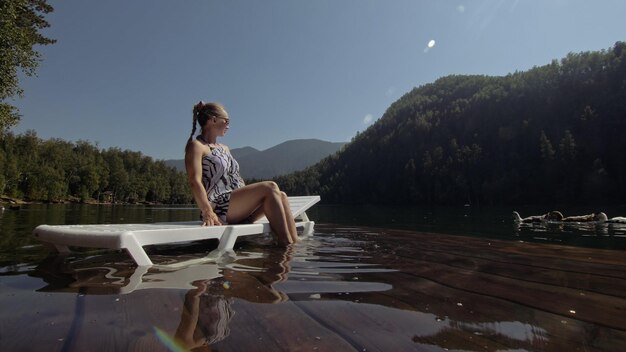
{"x": 186, "y": 331}
{"x": 193, "y": 165}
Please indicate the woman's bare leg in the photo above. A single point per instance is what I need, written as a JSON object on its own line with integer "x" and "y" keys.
{"x": 259, "y": 213}
{"x": 289, "y": 217}
{"x": 256, "y": 215}
{"x": 246, "y": 200}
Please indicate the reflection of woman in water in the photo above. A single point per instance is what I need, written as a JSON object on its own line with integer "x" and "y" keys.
{"x": 207, "y": 308}
{"x": 258, "y": 287}
{"x": 216, "y": 314}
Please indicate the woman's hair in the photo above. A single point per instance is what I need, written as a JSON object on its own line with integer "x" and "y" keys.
{"x": 202, "y": 112}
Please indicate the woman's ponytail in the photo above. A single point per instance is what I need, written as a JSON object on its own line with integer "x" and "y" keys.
{"x": 196, "y": 112}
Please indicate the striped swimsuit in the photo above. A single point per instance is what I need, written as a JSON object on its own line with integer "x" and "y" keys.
{"x": 220, "y": 176}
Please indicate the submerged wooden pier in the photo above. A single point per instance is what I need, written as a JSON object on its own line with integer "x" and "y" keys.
{"x": 343, "y": 289}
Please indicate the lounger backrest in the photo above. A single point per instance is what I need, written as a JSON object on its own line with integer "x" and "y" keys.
{"x": 299, "y": 205}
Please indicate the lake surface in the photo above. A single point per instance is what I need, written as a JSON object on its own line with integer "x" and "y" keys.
{"x": 369, "y": 278}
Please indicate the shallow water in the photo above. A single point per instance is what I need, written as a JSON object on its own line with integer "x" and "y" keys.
{"x": 485, "y": 222}
{"x": 345, "y": 288}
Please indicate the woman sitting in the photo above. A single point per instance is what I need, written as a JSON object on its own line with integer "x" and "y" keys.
{"x": 217, "y": 186}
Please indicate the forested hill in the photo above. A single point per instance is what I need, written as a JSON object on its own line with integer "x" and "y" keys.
{"x": 555, "y": 133}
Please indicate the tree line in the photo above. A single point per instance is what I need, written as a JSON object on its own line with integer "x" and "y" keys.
{"x": 57, "y": 170}
{"x": 552, "y": 134}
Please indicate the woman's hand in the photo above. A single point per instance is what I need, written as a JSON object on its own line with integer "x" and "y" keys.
{"x": 200, "y": 287}
{"x": 209, "y": 218}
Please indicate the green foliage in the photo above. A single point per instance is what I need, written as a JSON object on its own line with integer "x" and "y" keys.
{"x": 56, "y": 170}
{"x": 20, "y": 25}
{"x": 547, "y": 151}
{"x": 553, "y": 133}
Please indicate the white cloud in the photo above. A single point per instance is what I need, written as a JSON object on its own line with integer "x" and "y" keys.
{"x": 460, "y": 8}
{"x": 368, "y": 119}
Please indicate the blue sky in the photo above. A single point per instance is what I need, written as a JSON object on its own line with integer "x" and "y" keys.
{"x": 127, "y": 73}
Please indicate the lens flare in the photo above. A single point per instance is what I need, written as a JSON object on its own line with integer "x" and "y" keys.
{"x": 168, "y": 341}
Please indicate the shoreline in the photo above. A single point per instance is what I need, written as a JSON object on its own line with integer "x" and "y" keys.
{"x": 15, "y": 203}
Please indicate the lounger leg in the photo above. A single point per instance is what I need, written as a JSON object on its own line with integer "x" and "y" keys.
{"x": 62, "y": 249}
{"x": 308, "y": 229}
{"x": 56, "y": 247}
{"x": 229, "y": 237}
{"x": 135, "y": 279}
{"x": 227, "y": 241}
{"x": 304, "y": 217}
{"x": 308, "y": 225}
{"x": 138, "y": 253}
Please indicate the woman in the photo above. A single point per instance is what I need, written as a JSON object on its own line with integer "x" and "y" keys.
{"x": 217, "y": 187}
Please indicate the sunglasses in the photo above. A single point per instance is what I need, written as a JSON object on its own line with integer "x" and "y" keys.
{"x": 226, "y": 120}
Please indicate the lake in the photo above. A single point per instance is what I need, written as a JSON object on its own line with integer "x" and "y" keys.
{"x": 369, "y": 279}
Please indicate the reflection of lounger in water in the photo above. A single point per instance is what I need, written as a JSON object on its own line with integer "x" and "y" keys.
{"x": 616, "y": 220}
{"x": 207, "y": 309}
{"x": 550, "y": 216}
{"x": 211, "y": 289}
{"x": 586, "y": 218}
{"x": 557, "y": 216}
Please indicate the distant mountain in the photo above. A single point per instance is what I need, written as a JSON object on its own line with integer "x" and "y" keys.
{"x": 281, "y": 159}
{"x": 239, "y": 153}
{"x": 284, "y": 158}
{"x": 179, "y": 164}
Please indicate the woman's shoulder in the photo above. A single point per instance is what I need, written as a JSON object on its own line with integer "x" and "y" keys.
{"x": 195, "y": 146}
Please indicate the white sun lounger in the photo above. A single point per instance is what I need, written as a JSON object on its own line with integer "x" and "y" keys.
{"x": 133, "y": 237}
